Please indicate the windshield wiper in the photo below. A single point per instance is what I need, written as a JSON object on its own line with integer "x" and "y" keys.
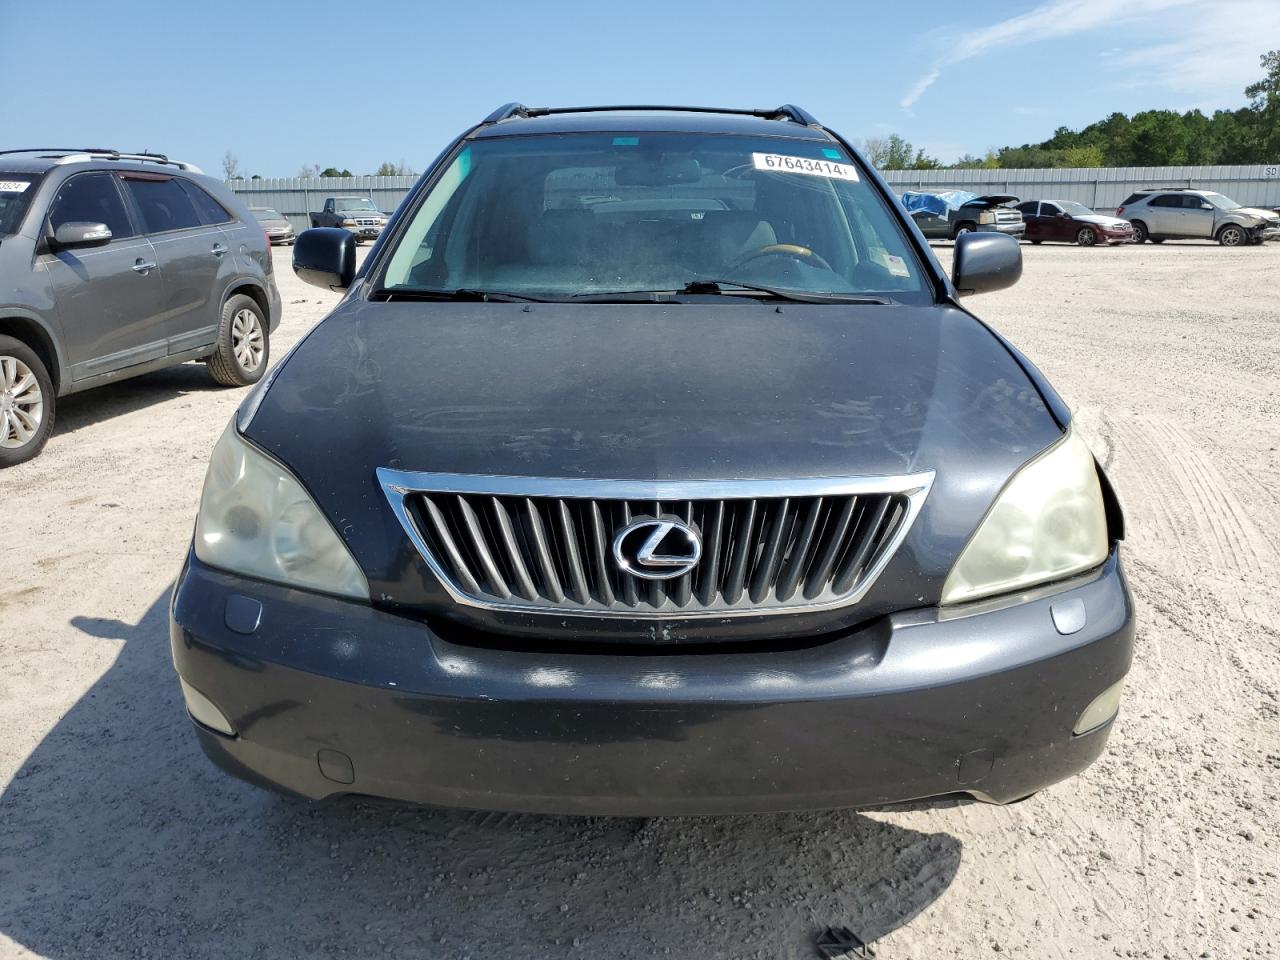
{"x": 796, "y": 296}
{"x": 461, "y": 294}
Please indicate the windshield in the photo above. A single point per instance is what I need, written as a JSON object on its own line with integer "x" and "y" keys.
{"x": 354, "y": 203}
{"x": 267, "y": 214}
{"x": 15, "y": 196}
{"x": 591, "y": 214}
{"x": 1219, "y": 201}
{"x": 1075, "y": 209}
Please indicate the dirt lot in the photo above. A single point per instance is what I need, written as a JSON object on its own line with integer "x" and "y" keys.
{"x": 118, "y": 839}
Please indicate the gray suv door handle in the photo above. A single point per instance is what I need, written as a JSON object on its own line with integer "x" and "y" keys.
{"x": 142, "y": 266}
{"x": 219, "y": 249}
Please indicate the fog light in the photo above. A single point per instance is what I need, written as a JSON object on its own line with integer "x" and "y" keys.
{"x": 1102, "y": 709}
{"x": 203, "y": 711}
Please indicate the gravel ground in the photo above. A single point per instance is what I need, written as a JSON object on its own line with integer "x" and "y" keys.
{"x": 118, "y": 839}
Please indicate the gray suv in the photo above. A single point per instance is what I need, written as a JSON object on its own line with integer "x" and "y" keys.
{"x": 1178, "y": 214}
{"x": 112, "y": 265}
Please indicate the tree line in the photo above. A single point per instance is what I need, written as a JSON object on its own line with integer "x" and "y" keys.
{"x": 1151, "y": 138}
{"x": 231, "y": 170}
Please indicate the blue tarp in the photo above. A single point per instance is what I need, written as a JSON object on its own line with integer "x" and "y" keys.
{"x": 939, "y": 204}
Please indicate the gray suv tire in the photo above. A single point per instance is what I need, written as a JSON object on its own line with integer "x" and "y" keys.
{"x": 27, "y": 403}
{"x": 244, "y": 347}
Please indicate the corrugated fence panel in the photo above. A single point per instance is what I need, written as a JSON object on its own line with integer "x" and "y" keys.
{"x": 1102, "y": 188}
{"x": 297, "y": 197}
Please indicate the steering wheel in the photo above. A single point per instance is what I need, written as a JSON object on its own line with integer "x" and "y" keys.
{"x": 791, "y": 250}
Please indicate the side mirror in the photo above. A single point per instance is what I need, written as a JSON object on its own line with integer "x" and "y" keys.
{"x": 984, "y": 262}
{"x": 325, "y": 257}
{"x": 81, "y": 233}
{"x": 1206, "y": 206}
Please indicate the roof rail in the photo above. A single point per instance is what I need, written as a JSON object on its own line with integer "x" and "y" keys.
{"x": 61, "y": 155}
{"x": 787, "y": 111}
{"x": 1166, "y": 189}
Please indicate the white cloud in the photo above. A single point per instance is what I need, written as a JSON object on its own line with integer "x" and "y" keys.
{"x": 1057, "y": 18}
{"x": 1213, "y": 57}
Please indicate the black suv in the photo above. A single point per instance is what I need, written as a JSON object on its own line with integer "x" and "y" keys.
{"x": 112, "y": 265}
{"x": 651, "y": 465}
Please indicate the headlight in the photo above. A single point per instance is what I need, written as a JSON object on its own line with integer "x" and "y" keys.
{"x": 987, "y": 216}
{"x": 255, "y": 518}
{"x": 1049, "y": 522}
{"x": 348, "y": 223}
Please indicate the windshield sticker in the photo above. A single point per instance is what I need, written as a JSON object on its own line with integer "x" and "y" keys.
{"x": 13, "y": 186}
{"x": 778, "y": 163}
{"x": 896, "y": 266}
{"x": 831, "y": 153}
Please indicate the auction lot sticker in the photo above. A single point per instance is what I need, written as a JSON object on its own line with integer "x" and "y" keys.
{"x": 778, "y": 163}
{"x": 13, "y": 186}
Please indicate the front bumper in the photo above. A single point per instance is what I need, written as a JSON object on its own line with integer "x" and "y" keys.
{"x": 1011, "y": 229}
{"x": 329, "y": 697}
{"x": 365, "y": 232}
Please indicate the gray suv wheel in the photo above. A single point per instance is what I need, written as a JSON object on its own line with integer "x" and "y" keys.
{"x": 1232, "y": 236}
{"x": 26, "y": 403}
{"x": 243, "y": 345}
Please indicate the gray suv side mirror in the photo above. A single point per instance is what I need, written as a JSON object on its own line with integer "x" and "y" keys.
{"x": 325, "y": 257}
{"x": 984, "y": 262}
{"x": 81, "y": 233}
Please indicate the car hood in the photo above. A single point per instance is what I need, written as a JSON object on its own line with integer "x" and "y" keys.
{"x": 650, "y": 392}
{"x": 1259, "y": 212}
{"x": 1101, "y": 220}
{"x": 275, "y": 224}
{"x": 992, "y": 200}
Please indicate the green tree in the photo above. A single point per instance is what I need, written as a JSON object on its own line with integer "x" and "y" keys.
{"x": 895, "y": 153}
{"x": 389, "y": 169}
{"x": 335, "y": 172}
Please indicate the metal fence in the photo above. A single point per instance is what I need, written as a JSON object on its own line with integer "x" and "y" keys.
{"x": 297, "y": 197}
{"x": 1102, "y": 188}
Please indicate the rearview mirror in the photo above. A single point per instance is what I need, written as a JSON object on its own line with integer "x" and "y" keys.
{"x": 81, "y": 233}
{"x": 325, "y": 257}
{"x": 984, "y": 262}
{"x": 648, "y": 171}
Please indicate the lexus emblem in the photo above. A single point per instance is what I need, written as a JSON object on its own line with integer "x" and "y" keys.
{"x": 657, "y": 549}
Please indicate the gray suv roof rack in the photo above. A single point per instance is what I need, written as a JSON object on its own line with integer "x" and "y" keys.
{"x": 62, "y": 155}
{"x": 785, "y": 112}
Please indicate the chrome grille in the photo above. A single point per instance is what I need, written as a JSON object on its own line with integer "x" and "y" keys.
{"x": 546, "y": 545}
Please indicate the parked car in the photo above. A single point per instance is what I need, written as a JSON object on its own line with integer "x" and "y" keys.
{"x": 1066, "y": 221}
{"x": 1177, "y": 214}
{"x": 276, "y": 225}
{"x": 666, "y": 507}
{"x": 112, "y": 265}
{"x": 359, "y": 215}
{"x": 947, "y": 219}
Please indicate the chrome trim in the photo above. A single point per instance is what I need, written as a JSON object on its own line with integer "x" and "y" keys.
{"x": 398, "y": 485}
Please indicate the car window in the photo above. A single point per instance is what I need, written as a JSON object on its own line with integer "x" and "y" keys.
{"x": 588, "y": 213}
{"x": 1132, "y": 198}
{"x": 1167, "y": 200}
{"x": 91, "y": 198}
{"x": 16, "y": 191}
{"x": 210, "y": 210}
{"x": 164, "y": 204}
{"x": 1028, "y": 208}
{"x": 1049, "y": 209}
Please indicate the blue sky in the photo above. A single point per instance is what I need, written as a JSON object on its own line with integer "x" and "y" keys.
{"x": 283, "y": 83}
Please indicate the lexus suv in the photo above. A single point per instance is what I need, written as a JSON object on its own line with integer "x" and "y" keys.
{"x": 649, "y": 465}
{"x": 1176, "y": 214}
{"x": 113, "y": 265}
